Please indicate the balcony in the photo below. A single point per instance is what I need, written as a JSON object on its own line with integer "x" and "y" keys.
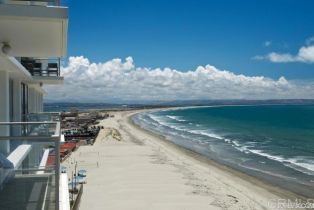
{"x": 29, "y": 175}
{"x": 42, "y": 67}
{"x": 43, "y": 70}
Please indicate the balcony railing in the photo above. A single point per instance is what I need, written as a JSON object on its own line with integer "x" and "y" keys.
{"x": 29, "y": 175}
{"x": 42, "y": 67}
{"x": 43, "y": 116}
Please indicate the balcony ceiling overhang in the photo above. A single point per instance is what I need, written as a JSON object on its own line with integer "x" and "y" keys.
{"x": 17, "y": 70}
{"x": 34, "y": 31}
{"x": 14, "y": 67}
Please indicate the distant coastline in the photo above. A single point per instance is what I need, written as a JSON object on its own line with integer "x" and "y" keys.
{"x": 67, "y": 106}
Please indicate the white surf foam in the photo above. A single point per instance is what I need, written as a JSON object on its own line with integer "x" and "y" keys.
{"x": 177, "y": 118}
{"x": 206, "y": 133}
{"x": 296, "y": 163}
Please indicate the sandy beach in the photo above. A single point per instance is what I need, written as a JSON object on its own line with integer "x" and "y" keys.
{"x": 134, "y": 169}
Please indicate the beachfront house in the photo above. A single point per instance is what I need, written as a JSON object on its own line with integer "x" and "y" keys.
{"x": 33, "y": 38}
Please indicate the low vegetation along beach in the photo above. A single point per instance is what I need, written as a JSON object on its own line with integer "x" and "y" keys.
{"x": 131, "y": 168}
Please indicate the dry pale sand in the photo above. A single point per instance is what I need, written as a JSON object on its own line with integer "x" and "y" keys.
{"x": 143, "y": 172}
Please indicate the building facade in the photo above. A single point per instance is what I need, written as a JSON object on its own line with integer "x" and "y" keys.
{"x": 33, "y": 39}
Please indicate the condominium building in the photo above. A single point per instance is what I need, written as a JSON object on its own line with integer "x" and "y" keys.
{"x": 33, "y": 38}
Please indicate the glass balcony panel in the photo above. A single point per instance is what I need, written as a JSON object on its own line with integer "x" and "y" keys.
{"x": 29, "y": 174}
{"x": 43, "y": 116}
{"x": 36, "y": 129}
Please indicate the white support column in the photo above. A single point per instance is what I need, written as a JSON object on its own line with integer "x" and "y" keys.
{"x": 42, "y": 101}
{"x": 17, "y": 106}
{"x": 4, "y": 111}
{"x": 33, "y": 156}
{"x": 38, "y": 102}
{"x": 35, "y": 101}
{"x": 41, "y": 105}
{"x": 30, "y": 100}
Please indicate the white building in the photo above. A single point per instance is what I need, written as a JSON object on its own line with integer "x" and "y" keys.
{"x": 33, "y": 38}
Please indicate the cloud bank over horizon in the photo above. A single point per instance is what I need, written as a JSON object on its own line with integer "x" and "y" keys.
{"x": 120, "y": 80}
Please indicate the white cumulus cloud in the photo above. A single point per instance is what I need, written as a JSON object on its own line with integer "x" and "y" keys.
{"x": 304, "y": 55}
{"x": 119, "y": 79}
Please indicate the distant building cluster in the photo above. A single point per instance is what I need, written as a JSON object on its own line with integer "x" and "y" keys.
{"x": 79, "y": 129}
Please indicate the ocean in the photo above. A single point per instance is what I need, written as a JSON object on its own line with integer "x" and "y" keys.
{"x": 274, "y": 143}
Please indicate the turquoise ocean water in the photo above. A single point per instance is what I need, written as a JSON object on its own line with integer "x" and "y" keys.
{"x": 272, "y": 142}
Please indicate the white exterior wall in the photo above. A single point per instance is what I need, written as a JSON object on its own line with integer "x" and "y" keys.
{"x": 19, "y": 26}
{"x": 35, "y": 104}
{"x": 35, "y": 100}
{"x": 4, "y": 111}
{"x": 30, "y": 100}
{"x": 41, "y": 102}
{"x": 17, "y": 108}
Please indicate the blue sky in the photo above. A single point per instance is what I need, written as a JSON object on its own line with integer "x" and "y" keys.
{"x": 145, "y": 50}
{"x": 184, "y": 34}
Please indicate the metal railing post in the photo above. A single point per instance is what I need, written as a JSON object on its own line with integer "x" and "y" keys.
{"x": 59, "y": 73}
{"x": 57, "y": 149}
